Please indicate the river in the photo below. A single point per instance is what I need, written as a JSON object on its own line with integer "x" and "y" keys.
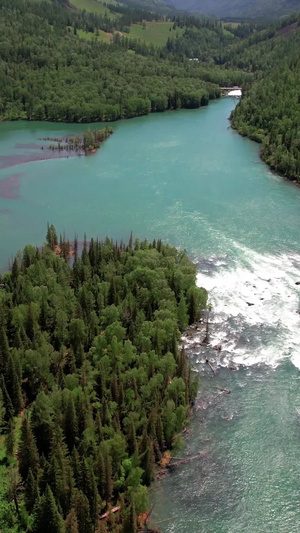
{"x": 187, "y": 178}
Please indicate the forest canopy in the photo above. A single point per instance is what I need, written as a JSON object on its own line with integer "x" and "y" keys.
{"x": 48, "y": 73}
{"x": 94, "y": 388}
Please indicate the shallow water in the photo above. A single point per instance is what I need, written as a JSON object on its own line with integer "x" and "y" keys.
{"x": 188, "y": 179}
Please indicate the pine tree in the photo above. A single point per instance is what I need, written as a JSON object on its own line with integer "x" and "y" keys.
{"x": 28, "y": 454}
{"x": 51, "y": 236}
{"x": 81, "y": 505}
{"x": 147, "y": 459}
{"x": 42, "y": 422}
{"x": 31, "y": 491}
{"x": 76, "y": 465}
{"x": 108, "y": 478}
{"x": 100, "y": 473}
{"x": 99, "y": 427}
{"x": 132, "y": 442}
{"x": 192, "y": 307}
{"x": 47, "y": 518}
{"x": 4, "y": 350}
{"x": 2, "y": 410}
{"x": 60, "y": 471}
{"x": 71, "y": 522}
{"x": 160, "y": 433}
{"x": 182, "y": 364}
{"x": 31, "y": 323}
{"x": 89, "y": 488}
{"x": 10, "y": 438}
{"x": 13, "y": 385}
{"x": 182, "y": 313}
{"x": 71, "y": 424}
{"x": 15, "y": 271}
{"x": 43, "y": 319}
{"x": 130, "y": 525}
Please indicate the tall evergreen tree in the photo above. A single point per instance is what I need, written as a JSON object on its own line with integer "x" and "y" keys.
{"x": 182, "y": 313}
{"x": 71, "y": 522}
{"x": 31, "y": 491}
{"x": 131, "y": 522}
{"x": 81, "y": 504}
{"x": 2, "y": 409}
{"x": 28, "y": 454}
{"x": 4, "y": 350}
{"x": 71, "y": 424}
{"x": 10, "y": 438}
{"x": 13, "y": 385}
{"x": 7, "y": 403}
{"x": 47, "y": 518}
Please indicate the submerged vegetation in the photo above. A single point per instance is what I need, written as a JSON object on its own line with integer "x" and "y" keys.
{"x": 90, "y": 368}
{"x": 87, "y": 143}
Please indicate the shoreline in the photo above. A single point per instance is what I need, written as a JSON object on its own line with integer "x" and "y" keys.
{"x": 116, "y": 119}
{"x": 295, "y": 181}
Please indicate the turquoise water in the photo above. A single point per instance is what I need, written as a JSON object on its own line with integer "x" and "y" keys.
{"x": 187, "y": 178}
{"x": 181, "y": 176}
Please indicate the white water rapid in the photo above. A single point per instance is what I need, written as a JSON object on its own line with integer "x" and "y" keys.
{"x": 255, "y": 307}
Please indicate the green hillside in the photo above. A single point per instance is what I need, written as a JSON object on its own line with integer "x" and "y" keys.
{"x": 156, "y": 33}
{"x": 73, "y": 76}
{"x": 92, "y": 6}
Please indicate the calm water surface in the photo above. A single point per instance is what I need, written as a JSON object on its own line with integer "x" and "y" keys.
{"x": 188, "y": 179}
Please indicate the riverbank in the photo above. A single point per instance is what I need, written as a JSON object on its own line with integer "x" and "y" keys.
{"x": 243, "y": 472}
{"x": 263, "y": 157}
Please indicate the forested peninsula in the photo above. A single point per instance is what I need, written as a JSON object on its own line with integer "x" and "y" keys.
{"x": 93, "y": 387}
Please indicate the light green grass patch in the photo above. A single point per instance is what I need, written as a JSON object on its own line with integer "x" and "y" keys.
{"x": 93, "y": 6}
{"x": 231, "y": 25}
{"x": 227, "y": 33}
{"x": 156, "y": 33}
{"x": 100, "y": 36}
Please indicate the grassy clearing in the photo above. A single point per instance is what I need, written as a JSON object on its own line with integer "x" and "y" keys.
{"x": 156, "y": 33}
{"x": 89, "y": 36}
{"x": 93, "y": 6}
{"x": 227, "y": 32}
{"x": 231, "y": 25}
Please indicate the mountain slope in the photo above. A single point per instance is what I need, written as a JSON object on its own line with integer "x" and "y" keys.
{"x": 238, "y": 8}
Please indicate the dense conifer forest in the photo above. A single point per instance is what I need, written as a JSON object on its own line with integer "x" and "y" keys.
{"x": 94, "y": 389}
{"x": 48, "y": 73}
{"x": 269, "y": 111}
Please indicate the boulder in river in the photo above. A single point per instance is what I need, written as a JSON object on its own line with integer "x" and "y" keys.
{"x": 249, "y": 303}
{"x": 297, "y": 283}
{"x": 218, "y": 347}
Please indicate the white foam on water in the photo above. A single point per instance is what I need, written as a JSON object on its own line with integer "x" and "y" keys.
{"x": 267, "y": 331}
